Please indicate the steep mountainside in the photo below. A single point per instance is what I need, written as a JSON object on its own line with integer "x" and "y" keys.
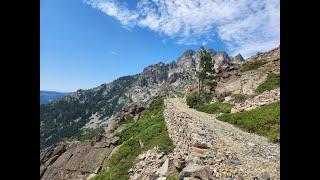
{"x": 48, "y": 96}
{"x": 152, "y": 134}
{"x": 65, "y": 117}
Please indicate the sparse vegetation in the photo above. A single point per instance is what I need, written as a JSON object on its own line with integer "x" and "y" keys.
{"x": 272, "y": 82}
{"x": 195, "y": 100}
{"x": 151, "y": 130}
{"x": 264, "y": 120}
{"x": 88, "y": 133}
{"x": 209, "y": 82}
{"x": 222, "y": 96}
{"x": 172, "y": 177}
{"x": 215, "y": 108}
{"x": 241, "y": 97}
{"x": 251, "y": 66}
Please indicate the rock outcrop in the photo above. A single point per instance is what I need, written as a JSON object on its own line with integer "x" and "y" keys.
{"x": 83, "y": 160}
{"x": 232, "y": 80}
{"x": 133, "y": 111}
{"x": 262, "y": 99}
{"x": 76, "y": 160}
{"x": 187, "y": 60}
{"x": 238, "y": 59}
{"x": 220, "y": 58}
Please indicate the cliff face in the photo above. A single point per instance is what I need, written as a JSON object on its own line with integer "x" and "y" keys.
{"x": 236, "y": 79}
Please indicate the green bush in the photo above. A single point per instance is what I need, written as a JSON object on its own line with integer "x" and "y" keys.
{"x": 251, "y": 66}
{"x": 272, "y": 82}
{"x": 151, "y": 130}
{"x": 196, "y": 100}
{"x": 264, "y": 120}
{"x": 216, "y": 108}
{"x": 193, "y": 100}
{"x": 208, "y": 82}
{"x": 205, "y": 97}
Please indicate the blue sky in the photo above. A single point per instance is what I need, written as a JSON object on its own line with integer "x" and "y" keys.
{"x": 84, "y": 43}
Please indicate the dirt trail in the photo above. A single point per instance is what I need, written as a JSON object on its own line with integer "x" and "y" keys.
{"x": 255, "y": 154}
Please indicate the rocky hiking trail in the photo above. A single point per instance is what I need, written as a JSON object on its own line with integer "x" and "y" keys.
{"x": 212, "y": 149}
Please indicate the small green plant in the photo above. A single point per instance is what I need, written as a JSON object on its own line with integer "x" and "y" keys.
{"x": 251, "y": 66}
{"x": 172, "y": 177}
{"x": 208, "y": 82}
{"x": 272, "y": 82}
{"x": 264, "y": 120}
{"x": 215, "y": 108}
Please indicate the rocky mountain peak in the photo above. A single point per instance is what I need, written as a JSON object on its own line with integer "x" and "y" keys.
{"x": 220, "y": 58}
{"x": 154, "y": 73}
{"x": 211, "y": 52}
{"x": 186, "y": 60}
{"x": 237, "y": 59}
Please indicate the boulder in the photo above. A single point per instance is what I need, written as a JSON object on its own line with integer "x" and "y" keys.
{"x": 190, "y": 159}
{"x": 265, "y": 176}
{"x": 179, "y": 164}
{"x": 164, "y": 168}
{"x": 233, "y": 162}
{"x": 199, "y": 152}
{"x": 200, "y": 144}
{"x": 197, "y": 171}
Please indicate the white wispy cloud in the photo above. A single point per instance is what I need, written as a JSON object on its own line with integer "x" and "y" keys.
{"x": 245, "y": 26}
{"x": 113, "y": 52}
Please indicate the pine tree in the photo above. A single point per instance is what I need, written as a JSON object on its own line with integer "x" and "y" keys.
{"x": 206, "y": 68}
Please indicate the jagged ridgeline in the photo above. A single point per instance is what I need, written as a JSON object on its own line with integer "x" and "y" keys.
{"x": 66, "y": 117}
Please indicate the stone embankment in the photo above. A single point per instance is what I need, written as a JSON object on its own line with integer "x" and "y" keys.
{"x": 208, "y": 149}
